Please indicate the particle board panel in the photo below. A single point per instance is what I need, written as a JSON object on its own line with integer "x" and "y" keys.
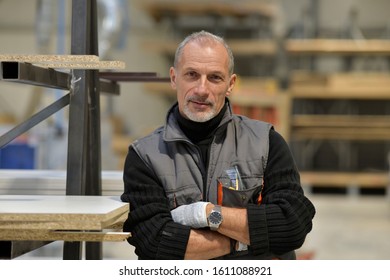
{"x": 60, "y": 212}
{"x": 41, "y": 58}
{"x": 65, "y": 222}
{"x": 63, "y": 61}
{"x": 90, "y": 65}
{"x": 71, "y": 236}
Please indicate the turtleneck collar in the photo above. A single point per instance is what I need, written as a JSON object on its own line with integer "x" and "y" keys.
{"x": 198, "y": 131}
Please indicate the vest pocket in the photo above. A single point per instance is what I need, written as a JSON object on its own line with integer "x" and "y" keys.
{"x": 239, "y": 191}
{"x": 239, "y": 198}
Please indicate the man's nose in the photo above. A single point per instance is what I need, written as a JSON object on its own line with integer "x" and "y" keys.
{"x": 202, "y": 86}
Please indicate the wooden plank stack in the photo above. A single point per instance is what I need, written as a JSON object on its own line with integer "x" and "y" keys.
{"x": 68, "y": 218}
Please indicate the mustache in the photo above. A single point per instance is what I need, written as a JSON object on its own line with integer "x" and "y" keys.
{"x": 199, "y": 100}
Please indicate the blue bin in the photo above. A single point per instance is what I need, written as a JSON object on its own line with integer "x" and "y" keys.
{"x": 17, "y": 156}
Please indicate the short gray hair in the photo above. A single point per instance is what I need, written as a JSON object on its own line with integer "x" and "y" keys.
{"x": 204, "y": 36}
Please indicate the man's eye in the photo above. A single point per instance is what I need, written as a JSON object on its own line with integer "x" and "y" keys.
{"x": 191, "y": 74}
{"x": 216, "y": 78}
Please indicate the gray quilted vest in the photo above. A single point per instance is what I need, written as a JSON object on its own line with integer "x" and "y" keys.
{"x": 238, "y": 142}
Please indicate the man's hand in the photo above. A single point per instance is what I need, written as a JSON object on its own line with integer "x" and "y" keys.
{"x": 193, "y": 215}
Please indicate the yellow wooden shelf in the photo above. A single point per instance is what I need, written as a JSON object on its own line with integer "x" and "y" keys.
{"x": 340, "y": 127}
{"x": 340, "y": 133}
{"x": 268, "y": 47}
{"x": 338, "y": 46}
{"x": 314, "y": 92}
{"x": 161, "y": 8}
{"x": 357, "y": 85}
{"x": 345, "y": 179}
{"x": 341, "y": 121}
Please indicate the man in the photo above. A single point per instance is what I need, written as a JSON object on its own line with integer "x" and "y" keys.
{"x": 172, "y": 177}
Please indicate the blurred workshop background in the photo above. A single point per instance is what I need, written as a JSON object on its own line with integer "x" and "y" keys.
{"x": 318, "y": 70}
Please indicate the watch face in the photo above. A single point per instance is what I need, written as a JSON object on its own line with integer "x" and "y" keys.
{"x": 215, "y": 218}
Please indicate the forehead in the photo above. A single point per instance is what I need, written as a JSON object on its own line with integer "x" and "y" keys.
{"x": 210, "y": 54}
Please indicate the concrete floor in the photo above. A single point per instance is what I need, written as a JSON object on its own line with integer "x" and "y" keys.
{"x": 349, "y": 227}
{"x": 345, "y": 228}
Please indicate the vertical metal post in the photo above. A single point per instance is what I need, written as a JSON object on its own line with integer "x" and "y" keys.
{"x": 84, "y": 150}
{"x": 93, "y": 186}
{"x": 94, "y": 250}
{"x": 78, "y": 107}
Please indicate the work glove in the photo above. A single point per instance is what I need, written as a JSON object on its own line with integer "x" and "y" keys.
{"x": 193, "y": 215}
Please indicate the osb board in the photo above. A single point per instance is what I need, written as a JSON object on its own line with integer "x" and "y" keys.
{"x": 60, "y": 212}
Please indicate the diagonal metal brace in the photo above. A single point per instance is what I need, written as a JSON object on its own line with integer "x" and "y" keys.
{"x": 34, "y": 120}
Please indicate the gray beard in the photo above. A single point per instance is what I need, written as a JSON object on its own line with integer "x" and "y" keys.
{"x": 199, "y": 117}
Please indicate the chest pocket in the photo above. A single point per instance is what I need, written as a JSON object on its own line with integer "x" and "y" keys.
{"x": 248, "y": 193}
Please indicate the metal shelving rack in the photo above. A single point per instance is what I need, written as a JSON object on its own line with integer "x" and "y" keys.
{"x": 84, "y": 147}
{"x": 83, "y": 174}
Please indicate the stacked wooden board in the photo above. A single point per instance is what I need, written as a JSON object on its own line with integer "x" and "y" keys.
{"x": 68, "y": 218}
{"x": 63, "y": 61}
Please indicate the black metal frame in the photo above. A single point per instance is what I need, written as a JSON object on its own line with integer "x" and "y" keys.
{"x": 84, "y": 140}
{"x": 84, "y": 145}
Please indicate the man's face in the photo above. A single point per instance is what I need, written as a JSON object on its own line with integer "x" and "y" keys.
{"x": 202, "y": 81}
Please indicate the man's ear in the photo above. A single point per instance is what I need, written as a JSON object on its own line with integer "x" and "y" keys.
{"x": 172, "y": 74}
{"x": 232, "y": 83}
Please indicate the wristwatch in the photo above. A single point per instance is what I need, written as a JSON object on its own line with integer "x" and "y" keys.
{"x": 215, "y": 218}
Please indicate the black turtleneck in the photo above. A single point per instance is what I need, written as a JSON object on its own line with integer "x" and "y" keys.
{"x": 200, "y": 133}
